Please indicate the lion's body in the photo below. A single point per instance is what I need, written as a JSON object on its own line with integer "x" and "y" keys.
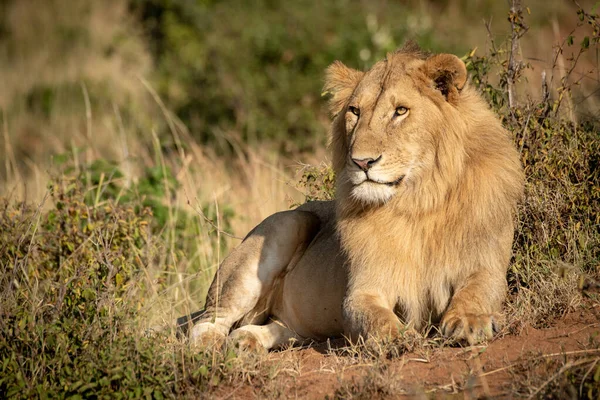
{"x": 420, "y": 231}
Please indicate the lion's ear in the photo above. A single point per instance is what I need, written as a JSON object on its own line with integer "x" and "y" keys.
{"x": 448, "y": 73}
{"x": 340, "y": 82}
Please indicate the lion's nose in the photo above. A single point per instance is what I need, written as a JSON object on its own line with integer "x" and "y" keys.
{"x": 365, "y": 163}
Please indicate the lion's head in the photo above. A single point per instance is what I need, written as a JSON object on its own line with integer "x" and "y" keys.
{"x": 398, "y": 131}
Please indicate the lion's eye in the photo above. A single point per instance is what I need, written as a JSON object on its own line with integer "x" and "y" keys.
{"x": 354, "y": 110}
{"x": 401, "y": 110}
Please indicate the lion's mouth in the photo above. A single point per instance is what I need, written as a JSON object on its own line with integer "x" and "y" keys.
{"x": 393, "y": 183}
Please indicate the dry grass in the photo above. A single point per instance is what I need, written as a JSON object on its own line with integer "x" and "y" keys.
{"x": 104, "y": 108}
{"x": 250, "y": 185}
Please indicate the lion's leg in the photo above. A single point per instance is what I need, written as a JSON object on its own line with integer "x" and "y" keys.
{"x": 474, "y": 309}
{"x": 366, "y": 315}
{"x": 243, "y": 285}
{"x": 270, "y": 336}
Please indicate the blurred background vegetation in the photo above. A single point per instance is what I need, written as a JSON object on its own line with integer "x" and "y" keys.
{"x": 141, "y": 139}
{"x": 234, "y": 70}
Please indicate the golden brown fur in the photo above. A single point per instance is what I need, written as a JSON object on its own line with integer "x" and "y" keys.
{"x": 421, "y": 228}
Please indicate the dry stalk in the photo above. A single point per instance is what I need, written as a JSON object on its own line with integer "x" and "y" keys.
{"x": 517, "y": 28}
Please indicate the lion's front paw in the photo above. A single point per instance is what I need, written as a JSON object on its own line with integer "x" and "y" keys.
{"x": 474, "y": 328}
{"x": 245, "y": 341}
{"x": 206, "y": 336}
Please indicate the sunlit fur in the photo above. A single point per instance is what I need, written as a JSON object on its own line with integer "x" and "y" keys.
{"x": 421, "y": 228}
{"x": 450, "y": 220}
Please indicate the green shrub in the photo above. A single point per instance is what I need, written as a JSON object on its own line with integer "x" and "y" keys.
{"x": 182, "y": 231}
{"x": 317, "y": 182}
{"x": 73, "y": 279}
{"x": 70, "y": 285}
{"x": 559, "y": 218}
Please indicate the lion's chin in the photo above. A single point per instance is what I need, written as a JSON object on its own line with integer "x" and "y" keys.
{"x": 373, "y": 193}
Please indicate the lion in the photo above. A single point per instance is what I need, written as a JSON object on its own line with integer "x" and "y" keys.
{"x": 420, "y": 231}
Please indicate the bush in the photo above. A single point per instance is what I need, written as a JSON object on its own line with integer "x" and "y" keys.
{"x": 70, "y": 285}
{"x": 74, "y": 278}
{"x": 559, "y": 217}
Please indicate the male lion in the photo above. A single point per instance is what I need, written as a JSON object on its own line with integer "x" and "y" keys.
{"x": 421, "y": 228}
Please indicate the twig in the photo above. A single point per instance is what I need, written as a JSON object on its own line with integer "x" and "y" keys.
{"x": 512, "y": 67}
{"x": 488, "y": 27}
{"x": 524, "y": 133}
{"x": 421, "y": 360}
{"x": 545, "y": 92}
{"x": 585, "y": 377}
{"x": 517, "y": 28}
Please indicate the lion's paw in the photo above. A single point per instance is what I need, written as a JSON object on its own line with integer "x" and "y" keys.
{"x": 245, "y": 341}
{"x": 474, "y": 328}
{"x": 206, "y": 335}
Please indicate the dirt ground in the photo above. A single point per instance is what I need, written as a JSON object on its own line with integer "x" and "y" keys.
{"x": 520, "y": 364}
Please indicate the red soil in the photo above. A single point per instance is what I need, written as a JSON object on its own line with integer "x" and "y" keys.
{"x": 490, "y": 370}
